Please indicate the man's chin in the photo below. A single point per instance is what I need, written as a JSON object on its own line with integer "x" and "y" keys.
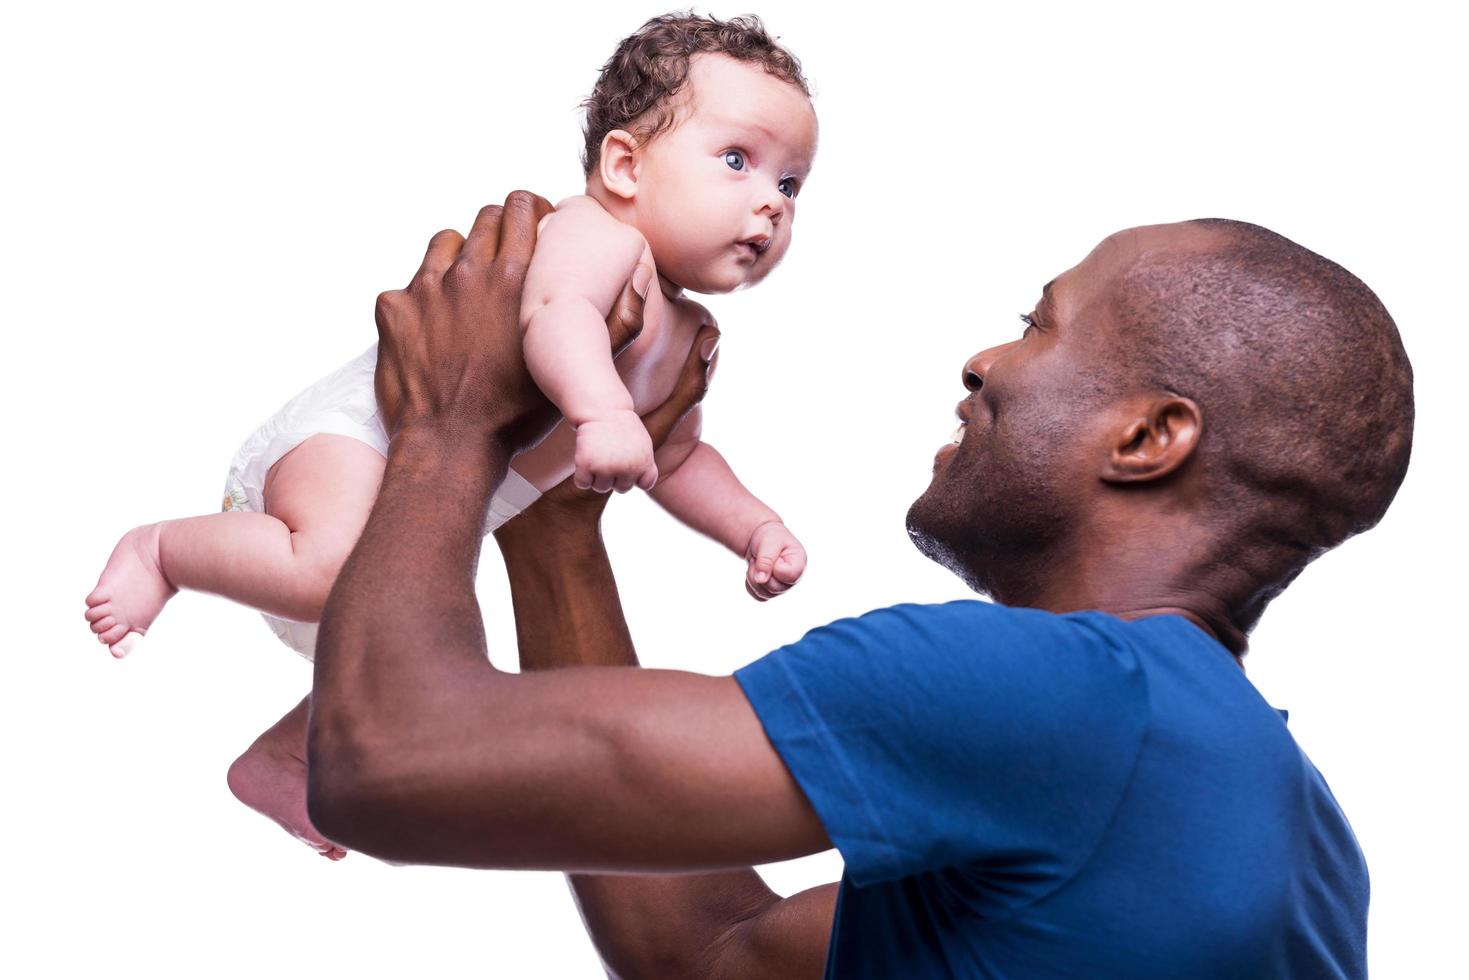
{"x": 931, "y": 535}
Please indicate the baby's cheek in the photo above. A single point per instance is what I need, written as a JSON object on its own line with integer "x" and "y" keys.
{"x": 779, "y": 248}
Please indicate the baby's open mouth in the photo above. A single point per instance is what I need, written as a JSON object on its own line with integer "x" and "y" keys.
{"x": 757, "y": 246}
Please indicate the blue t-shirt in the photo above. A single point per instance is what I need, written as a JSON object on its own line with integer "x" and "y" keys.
{"x": 1022, "y": 794}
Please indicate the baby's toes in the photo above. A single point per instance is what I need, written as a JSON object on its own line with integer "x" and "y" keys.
{"x": 104, "y": 624}
{"x": 96, "y": 610}
{"x": 124, "y": 646}
{"x": 113, "y": 633}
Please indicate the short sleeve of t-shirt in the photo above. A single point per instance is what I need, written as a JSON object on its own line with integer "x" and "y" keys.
{"x": 964, "y": 735}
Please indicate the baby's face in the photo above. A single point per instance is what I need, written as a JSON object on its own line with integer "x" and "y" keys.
{"x": 716, "y": 195}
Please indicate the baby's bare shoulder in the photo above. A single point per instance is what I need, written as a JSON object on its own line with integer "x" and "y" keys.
{"x": 582, "y": 215}
{"x": 581, "y": 250}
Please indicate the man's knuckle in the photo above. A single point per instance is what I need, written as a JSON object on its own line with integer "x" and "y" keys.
{"x": 459, "y": 275}
{"x": 520, "y": 200}
{"x": 510, "y": 272}
{"x": 388, "y": 304}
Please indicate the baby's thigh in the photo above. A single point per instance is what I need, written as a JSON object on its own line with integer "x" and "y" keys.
{"x": 323, "y": 490}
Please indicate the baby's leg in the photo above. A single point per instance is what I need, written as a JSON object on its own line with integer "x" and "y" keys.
{"x": 270, "y": 778}
{"x": 282, "y": 562}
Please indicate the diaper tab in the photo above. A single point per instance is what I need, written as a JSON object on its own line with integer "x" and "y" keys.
{"x": 234, "y": 499}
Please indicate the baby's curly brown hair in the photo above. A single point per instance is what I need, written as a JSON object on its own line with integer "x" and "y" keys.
{"x": 636, "y": 87}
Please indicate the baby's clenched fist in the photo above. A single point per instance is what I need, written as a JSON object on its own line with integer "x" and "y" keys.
{"x": 614, "y": 453}
{"x": 774, "y": 561}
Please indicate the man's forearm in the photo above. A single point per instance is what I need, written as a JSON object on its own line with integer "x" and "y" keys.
{"x": 401, "y": 650}
{"x": 567, "y": 613}
{"x": 550, "y": 581}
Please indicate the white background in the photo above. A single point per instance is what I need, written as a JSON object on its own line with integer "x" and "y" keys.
{"x": 201, "y": 201}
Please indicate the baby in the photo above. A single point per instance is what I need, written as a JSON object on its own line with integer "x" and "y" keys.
{"x": 699, "y": 136}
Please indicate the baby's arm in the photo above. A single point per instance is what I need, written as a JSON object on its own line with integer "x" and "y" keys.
{"x": 699, "y": 488}
{"x": 583, "y": 259}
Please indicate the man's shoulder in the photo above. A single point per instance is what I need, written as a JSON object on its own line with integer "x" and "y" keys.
{"x": 919, "y": 732}
{"x": 966, "y": 651}
{"x": 988, "y": 629}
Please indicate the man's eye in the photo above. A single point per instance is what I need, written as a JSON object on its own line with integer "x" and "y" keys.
{"x": 1029, "y": 322}
{"x": 734, "y": 159}
{"x": 788, "y": 186}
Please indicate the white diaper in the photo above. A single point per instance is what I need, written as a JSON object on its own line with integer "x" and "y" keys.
{"x": 342, "y": 403}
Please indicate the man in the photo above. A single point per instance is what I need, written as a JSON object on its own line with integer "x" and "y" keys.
{"x": 1074, "y": 781}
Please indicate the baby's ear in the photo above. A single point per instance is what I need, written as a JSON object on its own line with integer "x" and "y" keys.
{"x": 618, "y": 164}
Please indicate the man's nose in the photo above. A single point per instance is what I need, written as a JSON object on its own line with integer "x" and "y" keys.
{"x": 977, "y": 368}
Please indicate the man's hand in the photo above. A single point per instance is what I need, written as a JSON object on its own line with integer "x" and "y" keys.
{"x": 449, "y": 346}
{"x": 774, "y": 561}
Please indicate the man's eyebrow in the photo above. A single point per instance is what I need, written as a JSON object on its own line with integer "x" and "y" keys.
{"x": 1046, "y": 293}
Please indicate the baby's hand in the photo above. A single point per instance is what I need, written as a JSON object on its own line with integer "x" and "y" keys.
{"x": 774, "y": 561}
{"x": 614, "y": 453}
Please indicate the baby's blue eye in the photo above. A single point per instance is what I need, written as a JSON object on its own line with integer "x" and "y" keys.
{"x": 787, "y": 186}
{"x": 734, "y": 159}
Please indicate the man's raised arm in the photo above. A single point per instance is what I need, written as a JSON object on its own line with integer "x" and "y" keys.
{"x": 567, "y": 614}
{"x": 419, "y": 749}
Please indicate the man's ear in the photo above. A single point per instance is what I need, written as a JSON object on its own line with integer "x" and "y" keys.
{"x": 1157, "y": 436}
{"x": 618, "y": 164}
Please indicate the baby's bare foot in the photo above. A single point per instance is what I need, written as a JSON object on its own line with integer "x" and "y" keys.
{"x": 271, "y": 779}
{"x": 131, "y": 591}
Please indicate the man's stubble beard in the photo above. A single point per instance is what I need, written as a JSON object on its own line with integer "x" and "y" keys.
{"x": 996, "y": 519}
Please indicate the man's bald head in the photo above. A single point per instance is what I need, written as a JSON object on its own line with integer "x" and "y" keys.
{"x": 1306, "y": 390}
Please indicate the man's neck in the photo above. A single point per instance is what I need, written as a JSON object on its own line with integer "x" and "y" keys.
{"x": 1129, "y": 576}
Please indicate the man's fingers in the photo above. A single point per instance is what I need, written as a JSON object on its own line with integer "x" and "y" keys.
{"x": 522, "y": 212}
{"x": 693, "y": 383}
{"x": 484, "y": 237}
{"x": 443, "y": 249}
{"x": 625, "y": 321}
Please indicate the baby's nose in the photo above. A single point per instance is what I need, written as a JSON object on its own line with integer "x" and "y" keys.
{"x": 771, "y": 204}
